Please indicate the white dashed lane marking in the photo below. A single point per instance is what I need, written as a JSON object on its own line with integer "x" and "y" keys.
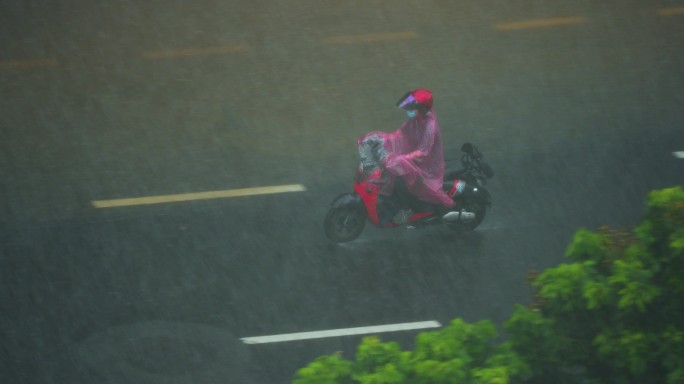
{"x": 370, "y": 38}
{"x": 670, "y": 11}
{"x": 540, "y": 23}
{"x": 28, "y": 64}
{"x": 341, "y": 332}
{"x": 206, "y": 51}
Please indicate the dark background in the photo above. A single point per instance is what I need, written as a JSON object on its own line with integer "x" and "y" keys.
{"x": 579, "y": 121}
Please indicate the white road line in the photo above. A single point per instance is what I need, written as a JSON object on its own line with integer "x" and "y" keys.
{"x": 198, "y": 196}
{"x": 679, "y": 155}
{"x": 341, "y": 332}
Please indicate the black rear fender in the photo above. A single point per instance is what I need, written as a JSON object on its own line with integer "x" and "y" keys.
{"x": 472, "y": 192}
{"x": 480, "y": 194}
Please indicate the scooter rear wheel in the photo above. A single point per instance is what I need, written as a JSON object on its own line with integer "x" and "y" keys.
{"x": 344, "y": 224}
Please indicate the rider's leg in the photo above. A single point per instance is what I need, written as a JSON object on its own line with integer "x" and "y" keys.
{"x": 402, "y": 194}
{"x": 403, "y": 197}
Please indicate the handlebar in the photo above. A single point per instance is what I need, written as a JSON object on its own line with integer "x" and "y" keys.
{"x": 473, "y": 159}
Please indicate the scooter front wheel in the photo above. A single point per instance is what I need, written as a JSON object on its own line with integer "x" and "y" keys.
{"x": 344, "y": 224}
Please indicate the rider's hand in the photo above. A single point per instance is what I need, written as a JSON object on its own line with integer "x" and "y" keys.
{"x": 415, "y": 156}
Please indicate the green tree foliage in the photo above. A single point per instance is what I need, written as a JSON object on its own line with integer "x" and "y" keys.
{"x": 616, "y": 313}
{"x": 458, "y": 353}
{"x": 613, "y": 314}
{"x": 326, "y": 370}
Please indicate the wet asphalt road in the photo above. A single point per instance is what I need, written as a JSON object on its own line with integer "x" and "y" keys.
{"x": 579, "y": 120}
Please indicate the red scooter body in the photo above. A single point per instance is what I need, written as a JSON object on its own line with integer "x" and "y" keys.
{"x": 368, "y": 188}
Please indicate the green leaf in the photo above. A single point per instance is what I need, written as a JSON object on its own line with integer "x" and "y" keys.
{"x": 387, "y": 374}
{"x": 664, "y": 214}
{"x": 676, "y": 376}
{"x": 671, "y": 348}
{"x": 372, "y": 353}
{"x": 507, "y": 357}
{"x": 534, "y": 339}
{"x": 587, "y": 245}
{"x": 458, "y": 340}
{"x": 562, "y": 286}
{"x": 496, "y": 375}
{"x": 440, "y": 372}
{"x": 677, "y": 240}
{"x": 628, "y": 349}
{"x": 597, "y": 293}
{"x": 325, "y": 370}
{"x": 634, "y": 285}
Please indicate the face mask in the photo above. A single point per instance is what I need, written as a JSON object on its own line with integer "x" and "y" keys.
{"x": 411, "y": 113}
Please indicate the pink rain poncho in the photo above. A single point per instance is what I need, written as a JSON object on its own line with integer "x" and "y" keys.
{"x": 415, "y": 153}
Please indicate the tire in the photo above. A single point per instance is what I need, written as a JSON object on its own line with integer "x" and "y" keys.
{"x": 344, "y": 224}
{"x": 476, "y": 207}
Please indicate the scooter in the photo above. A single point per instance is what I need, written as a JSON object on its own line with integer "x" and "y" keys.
{"x": 349, "y": 212}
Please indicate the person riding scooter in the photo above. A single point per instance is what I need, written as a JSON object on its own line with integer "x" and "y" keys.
{"x": 413, "y": 156}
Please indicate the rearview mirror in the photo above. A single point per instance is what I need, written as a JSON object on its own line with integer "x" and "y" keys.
{"x": 467, "y": 148}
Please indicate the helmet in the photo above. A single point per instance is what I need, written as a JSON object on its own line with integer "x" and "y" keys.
{"x": 416, "y": 99}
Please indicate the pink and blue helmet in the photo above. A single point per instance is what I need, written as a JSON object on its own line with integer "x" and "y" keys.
{"x": 416, "y": 99}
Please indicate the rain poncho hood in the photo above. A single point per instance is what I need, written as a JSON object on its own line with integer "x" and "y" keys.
{"x": 415, "y": 153}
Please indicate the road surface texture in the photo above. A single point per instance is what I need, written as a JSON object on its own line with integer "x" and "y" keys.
{"x": 577, "y": 105}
